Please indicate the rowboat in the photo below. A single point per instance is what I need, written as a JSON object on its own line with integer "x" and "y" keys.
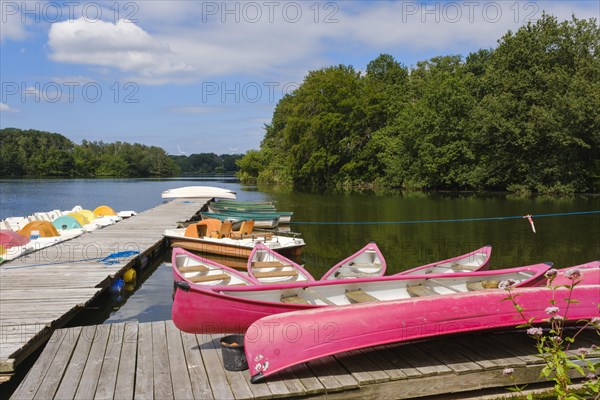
{"x": 234, "y": 309}
{"x": 260, "y": 221}
{"x": 277, "y": 342}
{"x": 266, "y": 266}
{"x": 284, "y": 217}
{"x": 198, "y": 192}
{"x": 203, "y": 271}
{"x": 365, "y": 263}
{"x": 212, "y": 236}
{"x": 473, "y": 261}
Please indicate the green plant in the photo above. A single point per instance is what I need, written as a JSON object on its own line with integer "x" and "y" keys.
{"x": 553, "y": 344}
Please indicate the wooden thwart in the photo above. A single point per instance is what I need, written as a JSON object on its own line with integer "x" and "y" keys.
{"x": 275, "y": 274}
{"x": 420, "y": 290}
{"x": 358, "y": 296}
{"x": 268, "y": 264}
{"x": 482, "y": 285}
{"x": 193, "y": 268}
{"x": 208, "y": 278}
{"x": 293, "y": 300}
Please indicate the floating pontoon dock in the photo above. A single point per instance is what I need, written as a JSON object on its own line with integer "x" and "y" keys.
{"x": 45, "y": 289}
{"x": 156, "y": 360}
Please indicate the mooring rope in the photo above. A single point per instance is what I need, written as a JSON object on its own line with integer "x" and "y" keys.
{"x": 429, "y": 221}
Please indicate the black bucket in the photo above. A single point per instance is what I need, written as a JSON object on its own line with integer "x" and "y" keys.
{"x": 234, "y": 358}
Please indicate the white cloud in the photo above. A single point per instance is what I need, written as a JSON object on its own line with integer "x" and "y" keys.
{"x": 11, "y": 25}
{"x": 122, "y": 45}
{"x": 6, "y": 108}
{"x": 188, "y": 42}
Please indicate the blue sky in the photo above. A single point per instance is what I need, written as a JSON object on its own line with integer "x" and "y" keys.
{"x": 207, "y": 75}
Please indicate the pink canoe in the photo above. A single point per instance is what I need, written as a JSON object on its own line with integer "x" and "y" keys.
{"x": 470, "y": 262}
{"x": 204, "y": 272}
{"x": 589, "y": 274}
{"x": 368, "y": 262}
{"x": 266, "y": 266}
{"x": 202, "y": 309}
{"x": 280, "y": 341}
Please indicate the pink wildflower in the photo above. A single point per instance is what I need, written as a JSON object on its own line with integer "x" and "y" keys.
{"x": 573, "y": 274}
{"x": 535, "y": 331}
{"x": 551, "y": 273}
{"x": 508, "y": 371}
{"x": 507, "y": 284}
{"x": 595, "y": 321}
{"x": 557, "y": 318}
{"x": 552, "y": 310}
{"x": 582, "y": 351}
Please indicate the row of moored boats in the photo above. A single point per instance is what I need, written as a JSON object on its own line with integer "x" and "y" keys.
{"x": 355, "y": 304}
{"x": 23, "y": 235}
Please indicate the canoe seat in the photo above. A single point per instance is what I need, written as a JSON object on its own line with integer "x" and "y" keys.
{"x": 358, "y": 296}
{"x": 293, "y": 300}
{"x": 208, "y": 278}
{"x": 482, "y": 285}
{"x": 420, "y": 291}
{"x": 275, "y": 274}
{"x": 456, "y": 267}
{"x": 193, "y": 268}
{"x": 268, "y": 264}
{"x": 351, "y": 274}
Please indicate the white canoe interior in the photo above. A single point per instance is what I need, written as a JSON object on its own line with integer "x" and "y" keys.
{"x": 351, "y": 291}
{"x": 365, "y": 264}
{"x": 467, "y": 263}
{"x": 269, "y": 267}
{"x": 203, "y": 273}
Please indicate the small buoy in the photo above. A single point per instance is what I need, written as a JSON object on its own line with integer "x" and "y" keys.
{"x": 117, "y": 286}
{"x": 129, "y": 275}
{"x": 129, "y": 287}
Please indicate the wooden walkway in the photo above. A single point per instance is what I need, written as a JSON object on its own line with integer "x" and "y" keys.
{"x": 44, "y": 290}
{"x": 156, "y": 360}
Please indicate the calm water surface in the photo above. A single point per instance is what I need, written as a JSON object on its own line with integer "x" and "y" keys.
{"x": 567, "y": 240}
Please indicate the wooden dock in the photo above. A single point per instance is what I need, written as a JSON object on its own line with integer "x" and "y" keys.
{"x": 156, "y": 360}
{"x": 45, "y": 289}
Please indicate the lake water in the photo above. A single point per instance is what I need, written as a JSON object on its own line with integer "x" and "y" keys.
{"x": 340, "y": 224}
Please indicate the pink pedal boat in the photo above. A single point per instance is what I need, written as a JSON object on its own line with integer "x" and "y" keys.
{"x": 219, "y": 309}
{"x": 277, "y": 342}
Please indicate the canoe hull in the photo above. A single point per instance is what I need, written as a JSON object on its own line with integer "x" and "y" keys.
{"x": 233, "y": 309}
{"x": 281, "y": 341}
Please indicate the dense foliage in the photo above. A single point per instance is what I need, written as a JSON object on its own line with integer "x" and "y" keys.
{"x": 37, "y": 153}
{"x": 523, "y": 117}
{"x": 207, "y": 163}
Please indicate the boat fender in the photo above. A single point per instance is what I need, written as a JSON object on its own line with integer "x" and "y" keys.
{"x": 183, "y": 285}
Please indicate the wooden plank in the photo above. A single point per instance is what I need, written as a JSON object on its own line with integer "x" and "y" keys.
{"x": 470, "y": 350}
{"x": 208, "y": 278}
{"x": 193, "y": 268}
{"x": 51, "y": 381}
{"x": 182, "y": 386}
{"x": 294, "y": 385}
{"x": 163, "y": 386}
{"x": 196, "y": 368}
{"x": 274, "y": 274}
{"x": 358, "y": 296}
{"x": 293, "y": 300}
{"x": 395, "y": 355}
{"x": 218, "y": 380}
{"x": 110, "y": 365}
{"x": 447, "y": 352}
{"x": 268, "y": 264}
{"x": 237, "y": 381}
{"x": 424, "y": 362}
{"x": 421, "y": 291}
{"x": 89, "y": 379}
{"x": 330, "y": 368}
{"x": 28, "y": 388}
{"x": 144, "y": 370}
{"x": 70, "y": 381}
{"x": 125, "y": 386}
{"x": 311, "y": 383}
{"x": 382, "y": 363}
{"x": 350, "y": 361}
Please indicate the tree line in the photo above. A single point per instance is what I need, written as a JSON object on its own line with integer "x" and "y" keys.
{"x": 523, "y": 117}
{"x": 43, "y": 154}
